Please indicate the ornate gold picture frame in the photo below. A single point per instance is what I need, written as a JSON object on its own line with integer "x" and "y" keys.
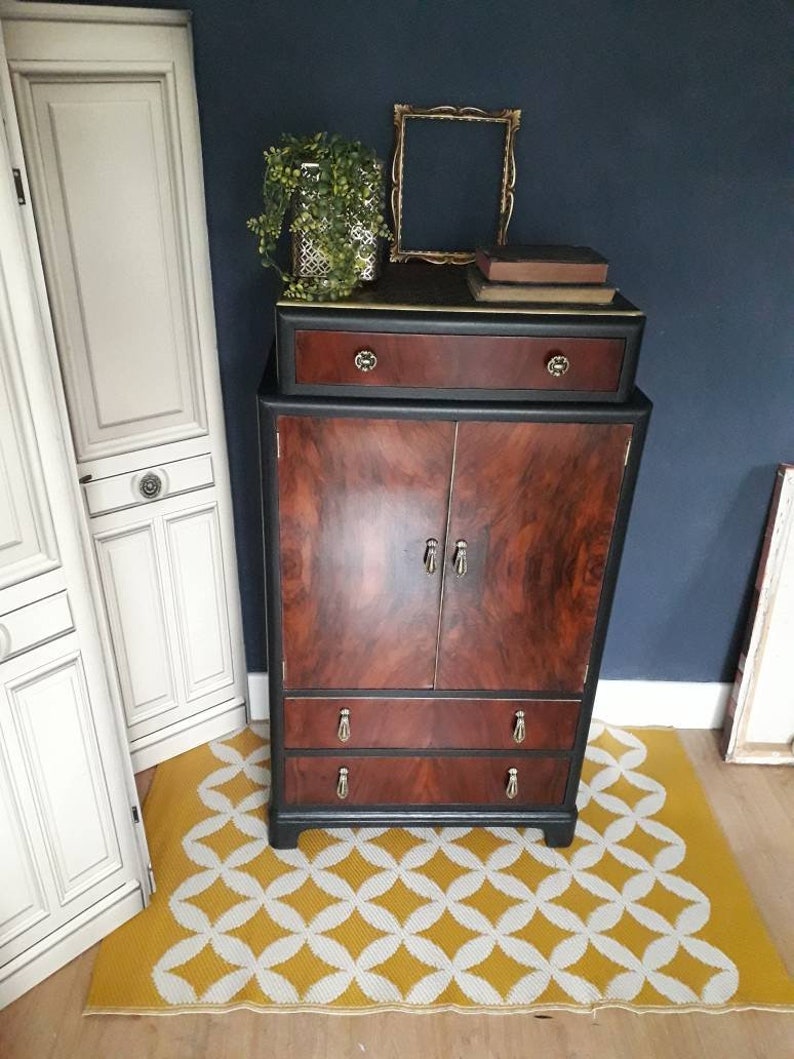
{"x": 453, "y": 179}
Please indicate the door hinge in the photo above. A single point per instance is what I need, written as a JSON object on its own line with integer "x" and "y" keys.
{"x": 19, "y": 187}
{"x": 628, "y": 450}
{"x": 136, "y": 816}
{"x": 150, "y": 873}
{"x": 278, "y": 445}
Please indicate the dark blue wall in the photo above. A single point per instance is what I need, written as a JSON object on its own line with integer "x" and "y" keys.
{"x": 659, "y": 132}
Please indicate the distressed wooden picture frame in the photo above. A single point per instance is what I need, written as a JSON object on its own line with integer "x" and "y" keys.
{"x": 464, "y": 181}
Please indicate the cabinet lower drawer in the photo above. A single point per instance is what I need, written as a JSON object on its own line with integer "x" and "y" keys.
{"x": 478, "y": 724}
{"x": 484, "y": 362}
{"x": 425, "y": 780}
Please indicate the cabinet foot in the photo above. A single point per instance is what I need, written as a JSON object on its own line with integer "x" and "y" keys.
{"x": 283, "y": 836}
{"x": 559, "y": 835}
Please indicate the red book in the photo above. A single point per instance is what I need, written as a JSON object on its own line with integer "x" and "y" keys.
{"x": 522, "y": 263}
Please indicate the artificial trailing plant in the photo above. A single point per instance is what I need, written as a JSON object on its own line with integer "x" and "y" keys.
{"x": 332, "y": 191}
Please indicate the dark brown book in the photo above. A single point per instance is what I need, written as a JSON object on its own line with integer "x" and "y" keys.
{"x": 522, "y": 263}
{"x": 484, "y": 290}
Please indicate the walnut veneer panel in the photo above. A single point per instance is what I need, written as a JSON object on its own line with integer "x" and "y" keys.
{"x": 458, "y": 361}
{"x": 358, "y": 499}
{"x": 536, "y": 504}
{"x": 385, "y": 723}
{"x": 425, "y": 780}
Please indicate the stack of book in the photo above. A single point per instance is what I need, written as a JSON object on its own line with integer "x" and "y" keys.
{"x": 540, "y": 274}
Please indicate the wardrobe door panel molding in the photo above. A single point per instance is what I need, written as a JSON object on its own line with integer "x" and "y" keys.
{"x": 145, "y": 654}
{"x": 27, "y": 541}
{"x": 112, "y": 249}
{"x": 165, "y": 561}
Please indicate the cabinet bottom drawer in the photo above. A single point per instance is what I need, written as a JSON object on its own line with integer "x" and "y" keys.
{"x": 425, "y": 780}
{"x": 429, "y": 724}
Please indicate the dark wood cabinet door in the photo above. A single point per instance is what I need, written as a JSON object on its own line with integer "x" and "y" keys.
{"x": 535, "y": 504}
{"x": 358, "y": 501}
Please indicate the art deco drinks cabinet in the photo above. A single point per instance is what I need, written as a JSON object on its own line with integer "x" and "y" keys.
{"x": 446, "y": 491}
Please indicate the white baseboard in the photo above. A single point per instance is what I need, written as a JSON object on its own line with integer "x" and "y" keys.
{"x": 641, "y": 703}
{"x": 258, "y": 697}
{"x": 668, "y": 703}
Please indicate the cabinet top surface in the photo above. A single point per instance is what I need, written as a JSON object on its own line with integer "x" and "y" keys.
{"x": 419, "y": 286}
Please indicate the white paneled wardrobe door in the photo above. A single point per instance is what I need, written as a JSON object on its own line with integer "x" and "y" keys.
{"x": 73, "y": 862}
{"x": 107, "y": 109}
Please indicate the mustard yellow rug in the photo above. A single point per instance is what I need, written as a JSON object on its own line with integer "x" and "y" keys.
{"x": 645, "y": 910}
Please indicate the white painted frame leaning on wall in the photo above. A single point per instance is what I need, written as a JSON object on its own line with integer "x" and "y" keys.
{"x": 759, "y": 726}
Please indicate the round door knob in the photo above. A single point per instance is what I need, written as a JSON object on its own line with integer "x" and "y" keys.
{"x": 150, "y": 486}
{"x": 557, "y": 364}
{"x": 365, "y": 360}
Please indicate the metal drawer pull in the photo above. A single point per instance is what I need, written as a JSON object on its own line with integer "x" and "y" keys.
{"x": 519, "y": 728}
{"x": 460, "y": 559}
{"x": 557, "y": 364}
{"x": 366, "y": 360}
{"x": 511, "y": 790}
{"x": 150, "y": 486}
{"x": 341, "y": 784}
{"x": 5, "y": 642}
{"x": 343, "y": 731}
{"x": 431, "y": 552}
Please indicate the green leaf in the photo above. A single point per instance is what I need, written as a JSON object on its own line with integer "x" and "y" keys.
{"x": 343, "y": 192}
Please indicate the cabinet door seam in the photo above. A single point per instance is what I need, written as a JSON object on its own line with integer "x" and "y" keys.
{"x": 444, "y": 551}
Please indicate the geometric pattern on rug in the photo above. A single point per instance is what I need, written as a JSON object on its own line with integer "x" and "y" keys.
{"x": 443, "y": 917}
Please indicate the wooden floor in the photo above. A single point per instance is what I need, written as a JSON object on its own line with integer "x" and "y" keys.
{"x": 755, "y": 805}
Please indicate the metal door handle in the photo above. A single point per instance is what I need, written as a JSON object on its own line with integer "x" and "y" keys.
{"x": 431, "y": 552}
{"x": 460, "y": 559}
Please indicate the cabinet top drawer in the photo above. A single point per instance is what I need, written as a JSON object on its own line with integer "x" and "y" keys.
{"x": 453, "y": 362}
{"x": 453, "y": 350}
